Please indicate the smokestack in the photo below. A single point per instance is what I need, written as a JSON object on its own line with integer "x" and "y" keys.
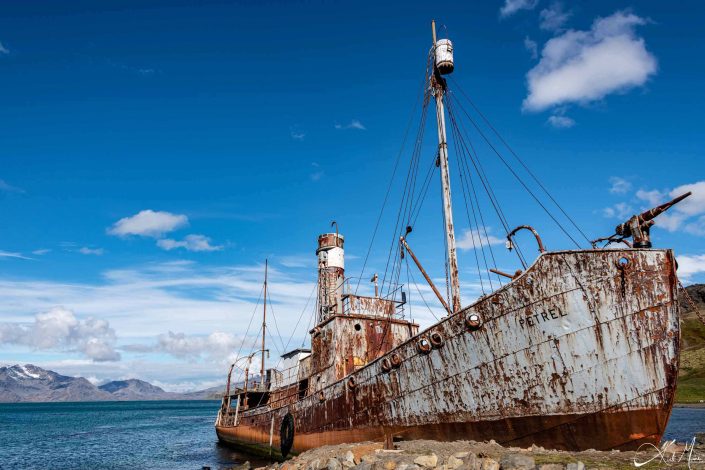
{"x": 331, "y": 274}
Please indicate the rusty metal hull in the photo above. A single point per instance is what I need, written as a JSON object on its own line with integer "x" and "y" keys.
{"x": 579, "y": 352}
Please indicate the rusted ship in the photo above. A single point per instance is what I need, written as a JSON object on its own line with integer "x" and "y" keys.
{"x": 578, "y": 350}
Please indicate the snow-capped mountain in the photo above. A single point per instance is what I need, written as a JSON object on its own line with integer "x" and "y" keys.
{"x": 29, "y": 383}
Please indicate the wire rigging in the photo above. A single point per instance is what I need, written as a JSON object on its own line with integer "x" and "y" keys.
{"x": 521, "y": 162}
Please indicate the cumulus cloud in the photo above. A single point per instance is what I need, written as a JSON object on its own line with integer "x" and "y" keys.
{"x": 653, "y": 197}
{"x": 472, "y": 238}
{"x": 620, "y": 185}
{"x": 59, "y": 329}
{"x": 584, "y": 66}
{"x": 3, "y": 49}
{"x": 296, "y": 135}
{"x": 193, "y": 242}
{"x": 688, "y": 215}
{"x": 688, "y": 265}
{"x": 148, "y": 223}
{"x": 620, "y": 211}
{"x": 354, "y": 124}
{"x": 512, "y": 6}
{"x": 560, "y": 122}
{"x": 216, "y": 345}
{"x": 554, "y": 17}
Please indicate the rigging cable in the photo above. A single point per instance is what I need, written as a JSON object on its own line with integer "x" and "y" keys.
{"x": 488, "y": 189}
{"x": 518, "y": 178}
{"x": 521, "y": 162}
{"x": 468, "y": 152}
{"x": 468, "y": 201}
{"x": 394, "y": 172}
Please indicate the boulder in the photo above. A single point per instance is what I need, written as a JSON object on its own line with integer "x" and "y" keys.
{"x": 428, "y": 461}
{"x": 575, "y": 466}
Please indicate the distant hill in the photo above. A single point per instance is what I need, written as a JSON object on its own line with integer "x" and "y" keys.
{"x": 134, "y": 389}
{"x": 691, "y": 378}
{"x": 29, "y": 383}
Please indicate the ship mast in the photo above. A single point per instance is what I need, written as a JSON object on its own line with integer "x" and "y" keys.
{"x": 438, "y": 85}
{"x": 264, "y": 323}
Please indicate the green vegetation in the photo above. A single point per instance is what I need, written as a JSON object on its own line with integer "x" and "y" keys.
{"x": 691, "y": 378}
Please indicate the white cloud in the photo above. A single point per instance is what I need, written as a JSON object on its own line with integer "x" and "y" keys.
{"x": 91, "y": 251}
{"x": 560, "y": 122}
{"x": 697, "y": 227}
{"x": 59, "y": 329}
{"x": 584, "y": 66}
{"x": 695, "y": 203}
{"x": 9, "y": 254}
{"x": 688, "y": 215}
{"x": 41, "y": 251}
{"x": 472, "y": 238}
{"x": 554, "y": 17}
{"x": 148, "y": 223}
{"x": 193, "y": 242}
{"x": 354, "y": 124}
{"x": 512, "y": 6}
{"x": 218, "y": 345}
{"x": 620, "y": 211}
{"x": 653, "y": 197}
{"x": 620, "y": 185}
{"x": 531, "y": 46}
{"x": 3, "y": 49}
{"x": 298, "y": 135}
{"x": 690, "y": 264}
{"x": 680, "y": 216}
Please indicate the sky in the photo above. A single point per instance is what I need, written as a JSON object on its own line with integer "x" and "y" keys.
{"x": 153, "y": 154}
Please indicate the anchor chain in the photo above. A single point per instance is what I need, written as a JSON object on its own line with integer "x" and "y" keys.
{"x": 692, "y": 303}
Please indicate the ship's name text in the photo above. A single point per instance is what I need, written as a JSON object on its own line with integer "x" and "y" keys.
{"x": 536, "y": 318}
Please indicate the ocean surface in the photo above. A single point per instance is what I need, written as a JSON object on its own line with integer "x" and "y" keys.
{"x": 150, "y": 435}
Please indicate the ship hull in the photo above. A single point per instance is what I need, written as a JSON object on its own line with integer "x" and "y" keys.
{"x": 579, "y": 352}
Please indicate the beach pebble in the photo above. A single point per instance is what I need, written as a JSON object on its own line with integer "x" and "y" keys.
{"x": 333, "y": 464}
{"x": 428, "y": 461}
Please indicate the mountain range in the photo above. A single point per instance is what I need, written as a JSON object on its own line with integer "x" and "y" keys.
{"x": 29, "y": 383}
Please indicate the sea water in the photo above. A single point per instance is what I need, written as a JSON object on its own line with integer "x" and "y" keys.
{"x": 151, "y": 435}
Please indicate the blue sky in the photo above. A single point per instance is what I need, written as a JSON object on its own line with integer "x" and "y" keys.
{"x": 236, "y": 131}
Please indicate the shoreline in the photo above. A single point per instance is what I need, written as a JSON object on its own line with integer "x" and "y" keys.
{"x": 471, "y": 455}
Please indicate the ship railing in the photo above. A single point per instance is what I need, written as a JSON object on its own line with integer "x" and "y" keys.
{"x": 373, "y": 306}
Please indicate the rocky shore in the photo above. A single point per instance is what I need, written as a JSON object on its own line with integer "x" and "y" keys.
{"x": 470, "y": 455}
